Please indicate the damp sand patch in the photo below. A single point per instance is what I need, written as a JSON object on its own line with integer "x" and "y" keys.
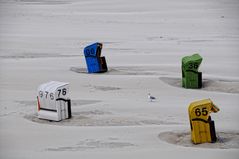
{"x": 226, "y": 140}
{"x": 215, "y": 85}
{"x": 127, "y": 70}
{"x": 92, "y": 144}
{"x": 101, "y": 118}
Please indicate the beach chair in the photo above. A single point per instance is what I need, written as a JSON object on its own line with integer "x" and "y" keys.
{"x": 95, "y": 63}
{"x": 53, "y": 102}
{"x": 191, "y": 78}
{"x": 202, "y": 126}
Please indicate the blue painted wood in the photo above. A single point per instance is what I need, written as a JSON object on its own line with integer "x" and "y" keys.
{"x": 93, "y": 60}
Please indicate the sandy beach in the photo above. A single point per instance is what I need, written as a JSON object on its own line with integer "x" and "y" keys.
{"x": 143, "y": 42}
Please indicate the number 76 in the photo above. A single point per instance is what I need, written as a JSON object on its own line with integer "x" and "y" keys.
{"x": 61, "y": 91}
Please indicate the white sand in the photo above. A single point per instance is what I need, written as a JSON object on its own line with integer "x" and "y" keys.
{"x": 143, "y": 41}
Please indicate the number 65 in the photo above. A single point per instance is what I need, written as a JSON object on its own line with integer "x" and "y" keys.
{"x": 199, "y": 112}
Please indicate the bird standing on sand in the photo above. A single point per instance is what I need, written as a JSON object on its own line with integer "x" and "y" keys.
{"x": 151, "y": 98}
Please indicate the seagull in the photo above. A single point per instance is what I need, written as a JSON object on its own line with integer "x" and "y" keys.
{"x": 151, "y": 98}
